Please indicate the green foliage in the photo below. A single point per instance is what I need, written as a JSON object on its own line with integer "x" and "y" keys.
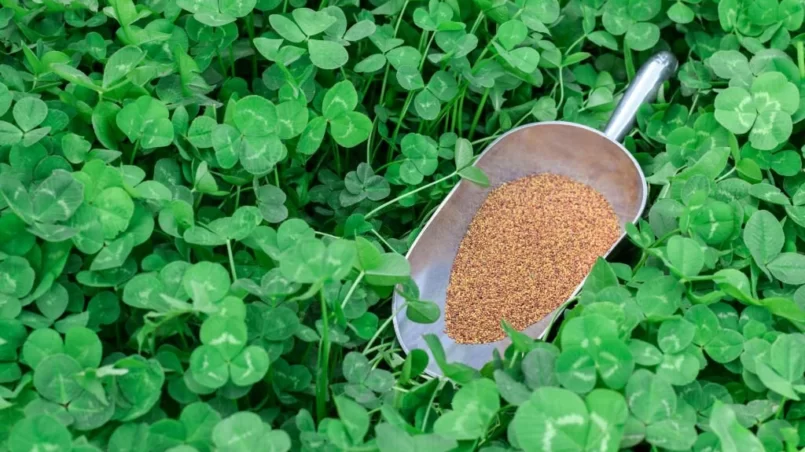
{"x": 204, "y": 207}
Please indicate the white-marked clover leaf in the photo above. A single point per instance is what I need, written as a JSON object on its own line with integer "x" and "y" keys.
{"x": 249, "y": 366}
{"x": 327, "y": 55}
{"x": 575, "y": 369}
{"x": 57, "y": 198}
{"x": 651, "y": 398}
{"x": 685, "y": 255}
{"x": 55, "y": 377}
{"x": 725, "y": 346}
{"x": 705, "y": 323}
{"x": 41, "y": 431}
{"x": 241, "y": 432}
{"x": 642, "y": 35}
{"x": 735, "y": 110}
{"x": 215, "y": 13}
{"x": 145, "y": 121}
{"x": 771, "y": 128}
{"x": 121, "y": 63}
{"x": 209, "y": 366}
{"x": 764, "y": 237}
{"x": 339, "y": 99}
{"x": 312, "y": 22}
{"x": 226, "y": 334}
{"x": 40, "y": 344}
{"x": 474, "y": 406}
{"x": 731, "y": 434}
{"x": 675, "y": 335}
{"x": 16, "y": 276}
{"x": 200, "y": 132}
{"x": 115, "y": 209}
{"x": 29, "y": 112}
{"x": 255, "y": 116}
{"x": 608, "y": 415}
{"x": 552, "y": 419}
{"x": 206, "y": 282}
{"x": 772, "y": 91}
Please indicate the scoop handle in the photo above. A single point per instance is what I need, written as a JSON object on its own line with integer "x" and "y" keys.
{"x": 659, "y": 68}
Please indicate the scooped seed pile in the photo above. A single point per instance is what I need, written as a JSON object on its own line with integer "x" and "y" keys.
{"x": 528, "y": 247}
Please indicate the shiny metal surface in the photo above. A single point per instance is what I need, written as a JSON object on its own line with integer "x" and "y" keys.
{"x": 576, "y": 151}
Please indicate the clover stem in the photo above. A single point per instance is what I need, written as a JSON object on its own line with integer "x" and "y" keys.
{"x": 477, "y": 23}
{"x": 643, "y": 257}
{"x": 231, "y": 260}
{"x": 575, "y": 43}
{"x": 324, "y": 234}
{"x": 323, "y": 363}
{"x": 369, "y": 143}
{"x": 383, "y": 327}
{"x": 232, "y": 58}
{"x": 801, "y": 58}
{"x": 182, "y": 339}
{"x": 432, "y": 398}
{"x": 407, "y": 103}
{"x": 380, "y": 237}
{"x": 407, "y": 194}
{"x": 337, "y": 157}
{"x": 443, "y": 116}
{"x": 781, "y": 409}
{"x": 381, "y": 100}
{"x": 561, "y": 89}
{"x": 221, "y": 62}
{"x": 726, "y": 175}
{"x": 352, "y": 289}
{"x": 478, "y": 113}
{"x": 237, "y": 198}
{"x": 461, "y": 111}
{"x": 276, "y": 176}
{"x": 425, "y": 53}
{"x": 693, "y": 105}
{"x": 627, "y": 59}
{"x": 250, "y": 30}
{"x": 555, "y": 317}
{"x": 134, "y": 151}
{"x": 665, "y": 237}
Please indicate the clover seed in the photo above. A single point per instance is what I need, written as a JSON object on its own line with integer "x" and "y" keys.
{"x": 528, "y": 247}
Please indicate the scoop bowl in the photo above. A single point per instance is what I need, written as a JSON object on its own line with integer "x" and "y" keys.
{"x": 579, "y": 152}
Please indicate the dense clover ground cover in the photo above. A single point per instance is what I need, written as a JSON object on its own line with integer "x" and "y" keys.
{"x": 204, "y": 206}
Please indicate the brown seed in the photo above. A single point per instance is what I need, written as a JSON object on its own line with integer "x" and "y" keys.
{"x": 528, "y": 247}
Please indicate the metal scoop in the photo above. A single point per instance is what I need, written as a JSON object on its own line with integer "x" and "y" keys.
{"x": 573, "y": 150}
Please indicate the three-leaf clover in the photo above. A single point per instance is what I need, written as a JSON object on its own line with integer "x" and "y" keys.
{"x": 224, "y": 354}
{"x": 28, "y": 113}
{"x": 251, "y": 137}
{"x": 306, "y": 24}
{"x": 216, "y": 13}
{"x": 363, "y": 184}
{"x": 632, "y": 18}
{"x": 348, "y": 128}
{"x": 421, "y": 158}
{"x": 145, "y": 121}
